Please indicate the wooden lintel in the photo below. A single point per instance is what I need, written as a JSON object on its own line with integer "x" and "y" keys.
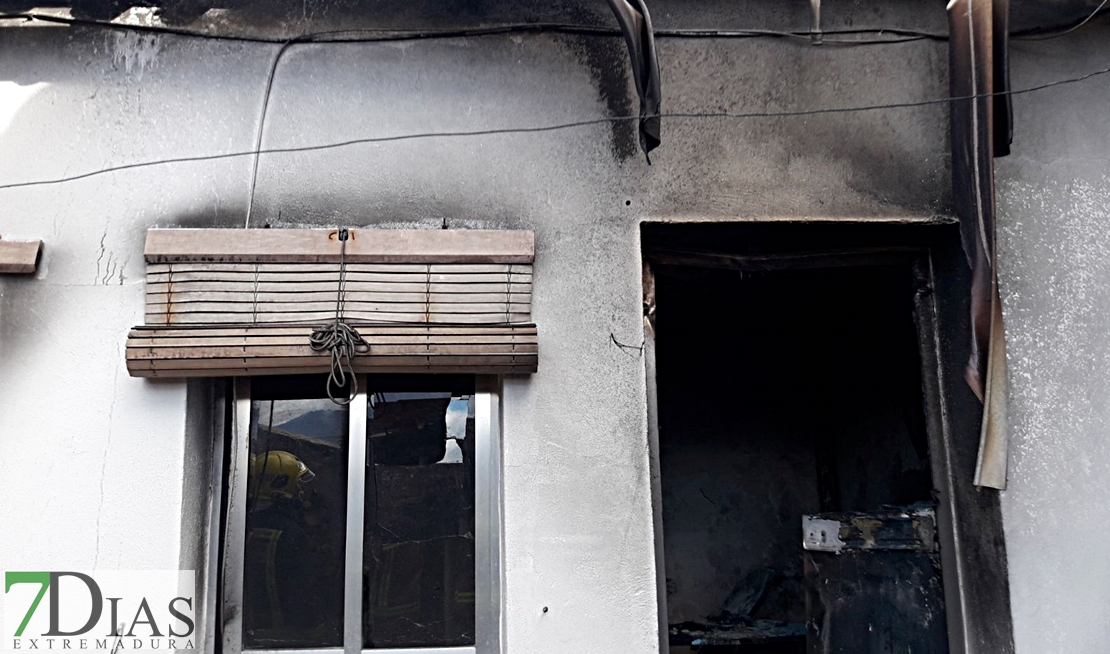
{"x": 19, "y": 257}
{"x": 781, "y": 261}
{"x": 322, "y": 245}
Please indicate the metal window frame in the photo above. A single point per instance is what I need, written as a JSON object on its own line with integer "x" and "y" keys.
{"x": 488, "y": 614}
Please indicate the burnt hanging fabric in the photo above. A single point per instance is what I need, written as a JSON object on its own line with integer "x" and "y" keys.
{"x": 635, "y": 23}
{"x": 981, "y": 130}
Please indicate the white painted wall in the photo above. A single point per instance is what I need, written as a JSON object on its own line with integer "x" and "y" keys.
{"x": 1054, "y": 240}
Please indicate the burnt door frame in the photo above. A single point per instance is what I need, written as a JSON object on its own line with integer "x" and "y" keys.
{"x": 969, "y": 527}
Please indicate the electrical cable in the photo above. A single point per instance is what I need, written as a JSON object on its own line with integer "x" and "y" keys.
{"x": 373, "y": 35}
{"x": 625, "y": 347}
{"x": 310, "y": 38}
{"x": 550, "y": 128}
{"x": 261, "y": 126}
{"x": 1056, "y": 31}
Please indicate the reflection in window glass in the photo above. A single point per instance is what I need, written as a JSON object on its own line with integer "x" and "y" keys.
{"x": 296, "y": 508}
{"x": 418, "y": 551}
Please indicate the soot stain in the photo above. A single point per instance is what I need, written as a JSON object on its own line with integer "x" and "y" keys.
{"x": 606, "y": 57}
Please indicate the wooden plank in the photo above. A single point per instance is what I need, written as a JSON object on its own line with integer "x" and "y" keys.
{"x": 782, "y": 261}
{"x": 349, "y": 307}
{"x": 186, "y": 298}
{"x": 294, "y": 267}
{"x": 177, "y": 342}
{"x": 293, "y": 277}
{"x": 230, "y": 351}
{"x": 369, "y": 360}
{"x": 333, "y": 286}
{"x": 300, "y": 346}
{"x": 321, "y": 245}
{"x": 303, "y": 349}
{"x": 153, "y": 346}
{"x": 319, "y": 317}
{"x": 19, "y": 257}
{"x": 138, "y": 370}
{"x": 364, "y": 328}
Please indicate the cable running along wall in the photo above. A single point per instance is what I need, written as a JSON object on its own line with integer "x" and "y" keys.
{"x": 246, "y": 302}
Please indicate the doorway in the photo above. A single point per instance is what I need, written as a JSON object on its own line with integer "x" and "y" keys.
{"x": 797, "y": 495}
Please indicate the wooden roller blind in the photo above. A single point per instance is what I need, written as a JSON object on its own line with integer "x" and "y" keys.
{"x": 243, "y": 302}
{"x": 198, "y": 293}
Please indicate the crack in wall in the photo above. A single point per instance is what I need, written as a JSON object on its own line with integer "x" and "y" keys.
{"x": 104, "y": 462}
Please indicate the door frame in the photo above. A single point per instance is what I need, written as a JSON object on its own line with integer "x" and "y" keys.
{"x": 963, "y": 584}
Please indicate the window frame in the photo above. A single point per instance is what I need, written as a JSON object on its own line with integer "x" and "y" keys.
{"x": 487, "y": 526}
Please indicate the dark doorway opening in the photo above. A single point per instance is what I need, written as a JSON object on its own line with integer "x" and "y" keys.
{"x": 790, "y": 399}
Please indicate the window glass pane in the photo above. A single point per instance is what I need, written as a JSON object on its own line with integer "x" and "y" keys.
{"x": 296, "y": 510}
{"x": 418, "y": 556}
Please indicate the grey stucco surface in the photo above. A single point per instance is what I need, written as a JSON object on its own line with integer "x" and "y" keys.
{"x": 1053, "y": 195}
{"x": 101, "y": 480}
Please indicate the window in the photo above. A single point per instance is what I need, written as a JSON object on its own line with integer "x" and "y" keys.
{"x": 372, "y": 526}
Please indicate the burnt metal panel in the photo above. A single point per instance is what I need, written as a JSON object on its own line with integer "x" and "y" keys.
{"x": 910, "y": 530}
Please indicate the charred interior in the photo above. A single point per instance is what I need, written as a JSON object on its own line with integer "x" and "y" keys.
{"x": 790, "y": 389}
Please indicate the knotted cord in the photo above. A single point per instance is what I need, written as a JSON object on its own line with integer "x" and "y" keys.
{"x": 339, "y": 338}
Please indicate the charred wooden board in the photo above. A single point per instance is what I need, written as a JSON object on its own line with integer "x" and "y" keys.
{"x": 749, "y": 632}
{"x": 874, "y": 601}
{"x": 873, "y": 583}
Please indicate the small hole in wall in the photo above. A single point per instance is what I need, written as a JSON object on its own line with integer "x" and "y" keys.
{"x": 628, "y": 203}
{"x": 545, "y": 609}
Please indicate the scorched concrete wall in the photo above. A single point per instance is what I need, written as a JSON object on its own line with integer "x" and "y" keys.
{"x": 94, "y": 460}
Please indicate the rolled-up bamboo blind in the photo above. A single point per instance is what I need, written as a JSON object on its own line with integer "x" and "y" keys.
{"x": 201, "y": 293}
{"x": 243, "y": 302}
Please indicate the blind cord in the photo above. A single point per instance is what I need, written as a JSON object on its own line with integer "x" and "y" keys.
{"x": 339, "y": 338}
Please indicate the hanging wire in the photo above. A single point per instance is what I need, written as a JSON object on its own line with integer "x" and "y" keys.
{"x": 262, "y": 126}
{"x": 625, "y": 347}
{"x": 339, "y": 338}
{"x": 1046, "y": 33}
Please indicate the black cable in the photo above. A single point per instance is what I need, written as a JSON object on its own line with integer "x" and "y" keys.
{"x": 625, "y": 347}
{"x": 363, "y": 35}
{"x": 1056, "y": 31}
{"x": 551, "y": 128}
{"x": 312, "y": 38}
{"x": 374, "y": 35}
{"x": 261, "y": 126}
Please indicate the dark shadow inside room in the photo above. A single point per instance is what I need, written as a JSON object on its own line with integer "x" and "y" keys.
{"x": 790, "y": 392}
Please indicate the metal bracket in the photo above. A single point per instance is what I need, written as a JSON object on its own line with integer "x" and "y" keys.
{"x": 820, "y": 535}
